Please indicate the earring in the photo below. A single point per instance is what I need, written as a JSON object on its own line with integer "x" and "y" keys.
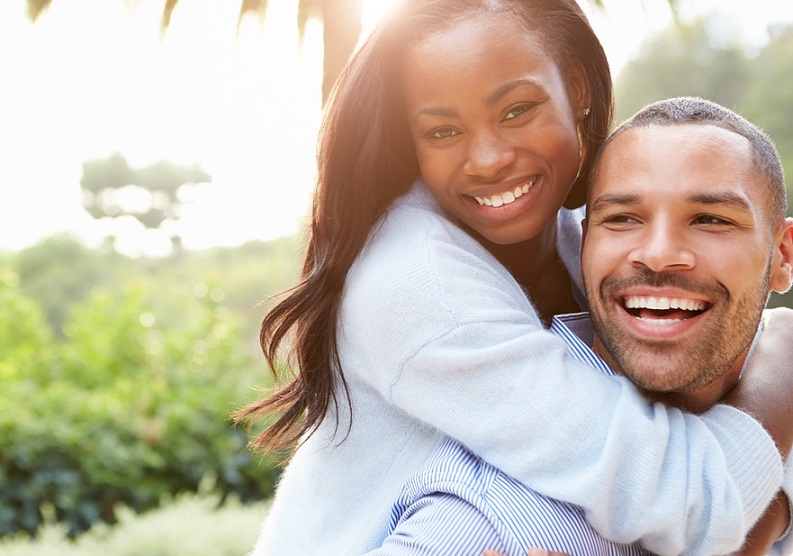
{"x": 586, "y": 112}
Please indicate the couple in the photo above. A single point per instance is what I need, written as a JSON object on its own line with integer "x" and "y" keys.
{"x": 685, "y": 216}
{"x": 438, "y": 251}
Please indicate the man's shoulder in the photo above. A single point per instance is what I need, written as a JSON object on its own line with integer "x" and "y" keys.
{"x": 451, "y": 469}
{"x": 522, "y": 516}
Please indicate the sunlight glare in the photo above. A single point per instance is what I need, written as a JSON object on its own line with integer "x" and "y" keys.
{"x": 373, "y": 11}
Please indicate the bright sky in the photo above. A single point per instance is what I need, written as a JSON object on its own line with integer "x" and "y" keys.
{"x": 93, "y": 77}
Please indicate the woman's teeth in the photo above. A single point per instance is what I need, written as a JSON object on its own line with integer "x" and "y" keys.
{"x": 505, "y": 198}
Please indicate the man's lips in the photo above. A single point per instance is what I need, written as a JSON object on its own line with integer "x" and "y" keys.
{"x": 661, "y": 317}
{"x": 661, "y": 309}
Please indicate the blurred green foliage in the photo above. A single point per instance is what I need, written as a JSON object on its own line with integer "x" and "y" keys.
{"x": 120, "y": 389}
{"x": 705, "y": 58}
{"x": 187, "y": 525}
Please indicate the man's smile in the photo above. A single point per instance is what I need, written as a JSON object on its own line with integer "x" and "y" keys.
{"x": 663, "y": 310}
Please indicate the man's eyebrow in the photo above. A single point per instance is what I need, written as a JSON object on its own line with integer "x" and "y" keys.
{"x": 609, "y": 199}
{"x": 722, "y": 198}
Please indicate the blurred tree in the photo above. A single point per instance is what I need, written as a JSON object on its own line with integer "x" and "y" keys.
{"x": 701, "y": 59}
{"x": 24, "y": 334}
{"x": 112, "y": 188}
{"x": 341, "y": 21}
{"x": 687, "y": 59}
{"x": 59, "y": 272}
{"x": 769, "y": 97}
{"x": 769, "y": 102}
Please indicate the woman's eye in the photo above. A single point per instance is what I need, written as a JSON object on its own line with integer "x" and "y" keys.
{"x": 517, "y": 110}
{"x": 441, "y": 133}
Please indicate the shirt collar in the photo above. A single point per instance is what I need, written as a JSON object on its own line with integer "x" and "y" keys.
{"x": 577, "y": 331}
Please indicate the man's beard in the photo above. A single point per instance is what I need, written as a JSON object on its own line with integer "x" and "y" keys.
{"x": 665, "y": 366}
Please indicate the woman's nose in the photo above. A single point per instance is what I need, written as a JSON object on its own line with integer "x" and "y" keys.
{"x": 488, "y": 153}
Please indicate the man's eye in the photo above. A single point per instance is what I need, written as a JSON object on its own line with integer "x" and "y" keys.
{"x": 711, "y": 220}
{"x": 620, "y": 219}
{"x": 441, "y": 133}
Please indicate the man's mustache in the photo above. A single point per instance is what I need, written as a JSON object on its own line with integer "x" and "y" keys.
{"x": 709, "y": 289}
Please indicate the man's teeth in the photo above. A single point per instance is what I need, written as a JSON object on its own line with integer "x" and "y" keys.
{"x": 663, "y": 303}
{"x": 506, "y": 197}
{"x": 659, "y": 322}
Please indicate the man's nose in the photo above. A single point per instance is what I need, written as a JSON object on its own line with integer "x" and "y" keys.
{"x": 663, "y": 246}
{"x": 488, "y": 153}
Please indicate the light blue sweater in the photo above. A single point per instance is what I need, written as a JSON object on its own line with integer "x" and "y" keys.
{"x": 435, "y": 338}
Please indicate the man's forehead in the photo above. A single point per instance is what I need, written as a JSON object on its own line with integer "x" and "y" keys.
{"x": 674, "y": 157}
{"x": 687, "y": 135}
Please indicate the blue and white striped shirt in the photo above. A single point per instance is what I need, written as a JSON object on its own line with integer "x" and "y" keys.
{"x": 457, "y": 504}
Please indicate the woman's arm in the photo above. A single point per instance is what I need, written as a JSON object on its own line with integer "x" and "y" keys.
{"x": 765, "y": 393}
{"x": 444, "y": 333}
{"x": 769, "y": 529}
{"x": 765, "y": 390}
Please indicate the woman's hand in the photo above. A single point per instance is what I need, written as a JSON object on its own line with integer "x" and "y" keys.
{"x": 768, "y": 529}
{"x": 766, "y": 389}
{"x": 766, "y": 392}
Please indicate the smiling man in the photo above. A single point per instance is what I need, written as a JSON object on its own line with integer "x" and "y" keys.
{"x": 686, "y": 236}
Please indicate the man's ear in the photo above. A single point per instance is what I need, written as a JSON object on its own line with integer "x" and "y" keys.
{"x": 584, "y": 226}
{"x": 782, "y": 259}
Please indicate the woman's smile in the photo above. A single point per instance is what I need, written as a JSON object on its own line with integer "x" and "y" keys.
{"x": 506, "y": 198}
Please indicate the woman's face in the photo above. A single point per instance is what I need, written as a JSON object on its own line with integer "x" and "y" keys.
{"x": 494, "y": 122}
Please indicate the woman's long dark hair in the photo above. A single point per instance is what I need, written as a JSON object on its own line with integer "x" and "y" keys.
{"x": 366, "y": 160}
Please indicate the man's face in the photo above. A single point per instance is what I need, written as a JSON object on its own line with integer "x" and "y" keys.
{"x": 679, "y": 257}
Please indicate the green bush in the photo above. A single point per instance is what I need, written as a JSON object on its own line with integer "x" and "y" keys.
{"x": 190, "y": 525}
{"x": 121, "y": 410}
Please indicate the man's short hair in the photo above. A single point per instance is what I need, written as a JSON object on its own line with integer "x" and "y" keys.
{"x": 698, "y": 111}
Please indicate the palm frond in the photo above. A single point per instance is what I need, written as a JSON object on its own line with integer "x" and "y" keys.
{"x": 35, "y": 7}
{"x": 305, "y": 9}
{"x": 166, "y": 14}
{"x": 253, "y": 7}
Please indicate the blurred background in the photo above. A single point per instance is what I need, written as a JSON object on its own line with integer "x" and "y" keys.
{"x": 157, "y": 162}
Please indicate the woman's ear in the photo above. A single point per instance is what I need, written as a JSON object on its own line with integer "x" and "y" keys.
{"x": 580, "y": 98}
{"x": 578, "y": 91}
{"x": 782, "y": 260}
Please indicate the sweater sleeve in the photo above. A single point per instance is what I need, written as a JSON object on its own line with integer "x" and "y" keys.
{"x": 448, "y": 336}
{"x": 784, "y": 546}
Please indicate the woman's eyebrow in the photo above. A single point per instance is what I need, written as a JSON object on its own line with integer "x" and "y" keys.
{"x": 499, "y": 93}
{"x": 436, "y": 111}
